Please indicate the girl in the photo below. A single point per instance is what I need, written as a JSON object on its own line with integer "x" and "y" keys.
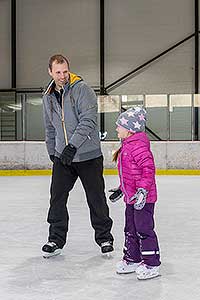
{"x": 137, "y": 183}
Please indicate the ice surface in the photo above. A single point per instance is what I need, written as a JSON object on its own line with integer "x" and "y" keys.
{"x": 81, "y": 273}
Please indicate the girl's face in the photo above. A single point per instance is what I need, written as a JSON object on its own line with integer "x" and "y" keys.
{"x": 122, "y": 132}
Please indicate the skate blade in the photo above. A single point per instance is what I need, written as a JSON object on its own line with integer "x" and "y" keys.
{"x": 49, "y": 255}
{"x": 107, "y": 255}
{"x": 124, "y": 272}
{"x": 148, "y": 278}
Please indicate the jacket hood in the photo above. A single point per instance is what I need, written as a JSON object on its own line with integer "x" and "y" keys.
{"x": 136, "y": 136}
{"x": 73, "y": 79}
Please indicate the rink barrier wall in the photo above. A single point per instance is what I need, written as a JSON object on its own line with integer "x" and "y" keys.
{"x": 30, "y": 158}
{"x": 106, "y": 172}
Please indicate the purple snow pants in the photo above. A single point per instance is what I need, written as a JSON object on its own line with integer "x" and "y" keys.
{"x": 141, "y": 243}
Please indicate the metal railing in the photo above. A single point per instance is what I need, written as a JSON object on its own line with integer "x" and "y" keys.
{"x": 170, "y": 117}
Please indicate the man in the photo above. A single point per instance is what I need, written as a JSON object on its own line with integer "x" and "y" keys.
{"x": 73, "y": 145}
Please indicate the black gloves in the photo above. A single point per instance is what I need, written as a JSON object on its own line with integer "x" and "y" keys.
{"x": 68, "y": 155}
{"x": 116, "y": 195}
{"x": 52, "y": 157}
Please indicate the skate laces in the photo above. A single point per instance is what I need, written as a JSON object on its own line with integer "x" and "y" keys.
{"x": 128, "y": 262}
{"x": 51, "y": 244}
{"x": 106, "y": 244}
{"x": 143, "y": 268}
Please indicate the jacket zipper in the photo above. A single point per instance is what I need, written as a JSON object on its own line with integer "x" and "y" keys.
{"x": 120, "y": 170}
{"x": 63, "y": 119}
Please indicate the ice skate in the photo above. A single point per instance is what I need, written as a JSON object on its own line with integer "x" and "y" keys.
{"x": 107, "y": 248}
{"x": 50, "y": 249}
{"x": 124, "y": 267}
{"x": 147, "y": 272}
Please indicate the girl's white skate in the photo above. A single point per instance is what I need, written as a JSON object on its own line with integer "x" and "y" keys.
{"x": 147, "y": 272}
{"x": 124, "y": 267}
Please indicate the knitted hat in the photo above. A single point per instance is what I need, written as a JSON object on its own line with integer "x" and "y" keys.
{"x": 134, "y": 119}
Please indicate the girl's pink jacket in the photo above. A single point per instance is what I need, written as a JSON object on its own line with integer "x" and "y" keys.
{"x": 136, "y": 167}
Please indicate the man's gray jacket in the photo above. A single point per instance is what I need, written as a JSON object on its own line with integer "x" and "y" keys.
{"x": 80, "y": 120}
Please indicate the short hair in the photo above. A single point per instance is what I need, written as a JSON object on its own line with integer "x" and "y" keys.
{"x": 59, "y": 59}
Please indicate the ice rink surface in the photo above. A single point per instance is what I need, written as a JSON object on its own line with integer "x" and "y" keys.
{"x": 81, "y": 273}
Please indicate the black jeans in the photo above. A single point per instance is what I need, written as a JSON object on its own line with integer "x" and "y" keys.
{"x": 63, "y": 179}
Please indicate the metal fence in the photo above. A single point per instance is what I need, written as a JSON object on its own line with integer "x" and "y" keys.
{"x": 169, "y": 117}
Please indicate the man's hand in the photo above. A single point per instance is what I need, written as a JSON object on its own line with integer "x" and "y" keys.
{"x": 116, "y": 194}
{"x": 139, "y": 198}
{"x": 68, "y": 155}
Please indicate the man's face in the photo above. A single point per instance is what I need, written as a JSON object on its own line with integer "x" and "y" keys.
{"x": 60, "y": 73}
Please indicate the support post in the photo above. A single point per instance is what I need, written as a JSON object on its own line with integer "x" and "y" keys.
{"x": 102, "y": 64}
{"x": 196, "y": 109}
{"x": 13, "y": 43}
